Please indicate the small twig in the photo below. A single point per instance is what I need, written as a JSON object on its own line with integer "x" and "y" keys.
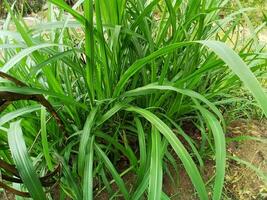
{"x": 11, "y": 169}
{"x": 7, "y": 97}
{"x": 12, "y": 79}
{"x": 14, "y": 191}
{"x": 5, "y": 195}
{"x": 3, "y": 104}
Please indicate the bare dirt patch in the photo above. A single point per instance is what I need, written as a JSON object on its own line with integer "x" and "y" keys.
{"x": 241, "y": 181}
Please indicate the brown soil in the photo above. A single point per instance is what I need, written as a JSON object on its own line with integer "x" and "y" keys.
{"x": 241, "y": 183}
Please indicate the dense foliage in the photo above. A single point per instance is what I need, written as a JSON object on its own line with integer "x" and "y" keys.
{"x": 86, "y": 98}
{"x": 22, "y": 6}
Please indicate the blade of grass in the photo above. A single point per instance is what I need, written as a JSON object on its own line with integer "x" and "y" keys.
{"x": 44, "y": 139}
{"x": 145, "y": 90}
{"x": 220, "y": 151}
{"x": 23, "y": 162}
{"x": 260, "y": 173}
{"x": 88, "y": 171}
{"x": 141, "y": 187}
{"x": 84, "y": 140}
{"x": 238, "y": 66}
{"x": 155, "y": 174}
{"x": 75, "y": 187}
{"x": 65, "y": 6}
{"x": 22, "y": 54}
{"x": 137, "y": 65}
{"x": 113, "y": 171}
{"x": 17, "y": 113}
{"x": 178, "y": 147}
{"x": 32, "y": 91}
{"x": 142, "y": 147}
{"x": 89, "y": 48}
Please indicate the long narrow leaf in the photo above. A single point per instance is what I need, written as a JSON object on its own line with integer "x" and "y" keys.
{"x": 88, "y": 172}
{"x": 66, "y": 7}
{"x": 220, "y": 151}
{"x": 44, "y": 139}
{"x": 17, "y": 58}
{"x": 23, "y": 161}
{"x": 178, "y": 147}
{"x": 113, "y": 171}
{"x": 237, "y": 65}
{"x": 85, "y": 138}
{"x": 155, "y": 175}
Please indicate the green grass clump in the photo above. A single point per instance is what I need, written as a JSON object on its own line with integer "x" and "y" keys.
{"x": 88, "y": 90}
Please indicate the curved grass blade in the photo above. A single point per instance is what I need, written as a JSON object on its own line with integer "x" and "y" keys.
{"x": 51, "y": 60}
{"x": 90, "y": 71}
{"x": 127, "y": 151}
{"x": 239, "y": 67}
{"x": 25, "y": 52}
{"x": 117, "y": 107}
{"x": 141, "y": 62}
{"x": 33, "y": 91}
{"x": 76, "y": 192}
{"x": 11, "y": 46}
{"x": 178, "y": 147}
{"x": 45, "y": 26}
{"x": 141, "y": 187}
{"x": 23, "y": 162}
{"x": 188, "y": 140}
{"x": 17, "y": 113}
{"x": 11, "y": 34}
{"x": 164, "y": 196}
{"x": 113, "y": 171}
{"x": 231, "y": 58}
{"x": 142, "y": 147}
{"x": 220, "y": 151}
{"x": 246, "y": 137}
{"x": 148, "y": 9}
{"x": 151, "y": 88}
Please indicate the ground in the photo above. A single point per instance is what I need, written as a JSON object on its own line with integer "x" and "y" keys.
{"x": 241, "y": 183}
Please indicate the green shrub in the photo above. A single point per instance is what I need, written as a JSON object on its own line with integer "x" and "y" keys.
{"x": 118, "y": 82}
{"x": 23, "y": 6}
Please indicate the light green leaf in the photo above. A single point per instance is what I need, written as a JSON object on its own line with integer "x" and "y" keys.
{"x": 17, "y": 113}
{"x": 23, "y": 162}
{"x": 155, "y": 175}
{"x": 25, "y": 52}
{"x": 239, "y": 67}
